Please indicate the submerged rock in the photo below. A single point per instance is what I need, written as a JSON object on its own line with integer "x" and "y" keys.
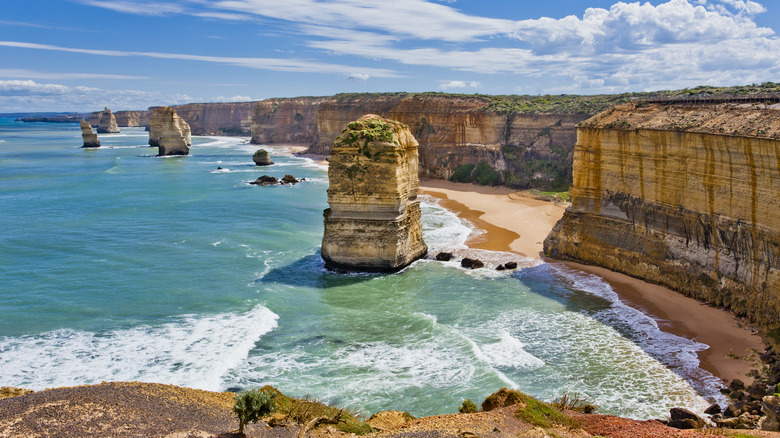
{"x": 266, "y": 180}
{"x": 444, "y": 256}
{"x": 373, "y": 223}
{"x": 289, "y": 179}
{"x": 261, "y": 158}
{"x": 107, "y": 123}
{"x": 471, "y": 263}
{"x": 169, "y": 132}
{"x": 90, "y": 138}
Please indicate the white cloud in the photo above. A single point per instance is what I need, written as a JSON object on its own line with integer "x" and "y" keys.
{"x": 137, "y": 7}
{"x": 459, "y": 84}
{"x": 27, "y": 95}
{"x": 31, "y": 74}
{"x": 276, "y": 64}
{"x": 358, "y": 77}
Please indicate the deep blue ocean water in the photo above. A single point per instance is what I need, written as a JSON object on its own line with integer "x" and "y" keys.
{"x": 118, "y": 265}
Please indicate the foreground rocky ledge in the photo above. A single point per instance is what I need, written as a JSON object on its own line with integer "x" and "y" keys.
{"x": 133, "y": 409}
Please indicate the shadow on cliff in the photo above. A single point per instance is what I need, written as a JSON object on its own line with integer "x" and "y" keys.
{"x": 310, "y": 271}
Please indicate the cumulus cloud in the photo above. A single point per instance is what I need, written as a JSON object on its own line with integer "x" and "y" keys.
{"x": 459, "y": 84}
{"x": 28, "y": 95}
{"x": 358, "y": 77}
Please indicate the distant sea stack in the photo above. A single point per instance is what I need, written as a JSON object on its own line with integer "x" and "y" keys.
{"x": 107, "y": 124}
{"x": 373, "y": 223}
{"x": 682, "y": 194}
{"x": 169, "y": 132}
{"x": 90, "y": 138}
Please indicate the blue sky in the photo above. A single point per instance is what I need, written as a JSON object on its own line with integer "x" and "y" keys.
{"x": 81, "y": 55}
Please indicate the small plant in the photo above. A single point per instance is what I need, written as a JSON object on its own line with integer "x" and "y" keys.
{"x": 467, "y": 407}
{"x": 574, "y": 402}
{"x": 543, "y": 415}
{"x": 252, "y": 405}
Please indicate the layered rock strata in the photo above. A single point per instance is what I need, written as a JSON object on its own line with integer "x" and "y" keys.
{"x": 453, "y": 131}
{"x": 169, "y": 132}
{"x": 686, "y": 196}
{"x": 229, "y": 118}
{"x": 90, "y": 138}
{"x": 132, "y": 118}
{"x": 107, "y": 123}
{"x": 373, "y": 223}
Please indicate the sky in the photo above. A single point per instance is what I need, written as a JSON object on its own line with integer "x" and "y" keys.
{"x": 82, "y": 55}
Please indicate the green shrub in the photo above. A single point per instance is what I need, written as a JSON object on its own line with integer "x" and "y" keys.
{"x": 543, "y": 415}
{"x": 467, "y": 407}
{"x": 463, "y": 173}
{"x": 486, "y": 175}
{"x": 251, "y": 405}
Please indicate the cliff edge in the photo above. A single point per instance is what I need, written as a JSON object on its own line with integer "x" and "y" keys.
{"x": 684, "y": 195}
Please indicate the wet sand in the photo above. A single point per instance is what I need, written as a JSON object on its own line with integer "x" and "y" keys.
{"x": 518, "y": 223}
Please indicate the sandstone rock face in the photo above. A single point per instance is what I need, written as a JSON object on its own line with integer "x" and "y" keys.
{"x": 662, "y": 194}
{"x": 287, "y": 121}
{"x": 132, "y": 118}
{"x": 373, "y": 223}
{"x": 261, "y": 158}
{"x": 452, "y": 131}
{"x": 169, "y": 132}
{"x": 107, "y": 123}
{"x": 230, "y": 118}
{"x": 90, "y": 138}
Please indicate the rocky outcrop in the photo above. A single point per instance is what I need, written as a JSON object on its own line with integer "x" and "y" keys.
{"x": 107, "y": 123}
{"x": 682, "y": 195}
{"x": 90, "y": 138}
{"x": 169, "y": 132}
{"x": 373, "y": 223}
{"x": 231, "y": 118}
{"x": 261, "y": 158}
{"x": 287, "y": 121}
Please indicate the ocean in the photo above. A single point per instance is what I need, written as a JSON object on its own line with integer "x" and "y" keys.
{"x": 116, "y": 265}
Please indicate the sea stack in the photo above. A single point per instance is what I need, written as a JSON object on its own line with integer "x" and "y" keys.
{"x": 261, "y": 158}
{"x": 373, "y": 223}
{"x": 685, "y": 194}
{"x": 107, "y": 124}
{"x": 169, "y": 132}
{"x": 90, "y": 138}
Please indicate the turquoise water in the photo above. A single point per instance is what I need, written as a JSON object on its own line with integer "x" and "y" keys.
{"x": 118, "y": 265}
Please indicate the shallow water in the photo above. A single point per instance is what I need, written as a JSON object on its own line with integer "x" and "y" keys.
{"x": 118, "y": 265}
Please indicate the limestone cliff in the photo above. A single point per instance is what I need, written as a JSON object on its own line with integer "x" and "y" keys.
{"x": 682, "y": 195}
{"x": 373, "y": 223}
{"x": 231, "y": 118}
{"x": 132, "y": 118}
{"x": 169, "y": 132}
{"x": 107, "y": 123}
{"x": 90, "y": 138}
{"x": 286, "y": 121}
{"x": 524, "y": 149}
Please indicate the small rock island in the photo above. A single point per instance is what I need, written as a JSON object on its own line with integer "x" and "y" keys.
{"x": 169, "y": 132}
{"x": 373, "y": 223}
{"x": 90, "y": 138}
{"x": 107, "y": 124}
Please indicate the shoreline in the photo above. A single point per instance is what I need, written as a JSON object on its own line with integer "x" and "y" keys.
{"x": 517, "y": 223}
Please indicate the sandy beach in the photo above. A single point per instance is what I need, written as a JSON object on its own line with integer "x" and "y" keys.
{"x": 518, "y": 223}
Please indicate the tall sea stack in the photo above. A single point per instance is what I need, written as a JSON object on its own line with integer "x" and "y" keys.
{"x": 169, "y": 132}
{"x": 90, "y": 138}
{"x": 373, "y": 223}
{"x": 107, "y": 124}
{"x": 682, "y": 194}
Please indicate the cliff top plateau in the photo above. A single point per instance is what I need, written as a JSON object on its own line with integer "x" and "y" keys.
{"x": 735, "y": 119}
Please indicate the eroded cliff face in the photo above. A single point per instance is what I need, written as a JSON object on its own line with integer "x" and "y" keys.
{"x": 373, "y": 223}
{"x": 686, "y": 196}
{"x": 231, "y": 118}
{"x": 286, "y": 121}
{"x": 132, "y": 118}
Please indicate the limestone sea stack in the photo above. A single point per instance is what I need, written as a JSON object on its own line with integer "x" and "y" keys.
{"x": 169, "y": 132}
{"x": 373, "y": 223}
{"x": 90, "y": 138}
{"x": 261, "y": 158}
{"x": 686, "y": 195}
{"x": 107, "y": 124}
